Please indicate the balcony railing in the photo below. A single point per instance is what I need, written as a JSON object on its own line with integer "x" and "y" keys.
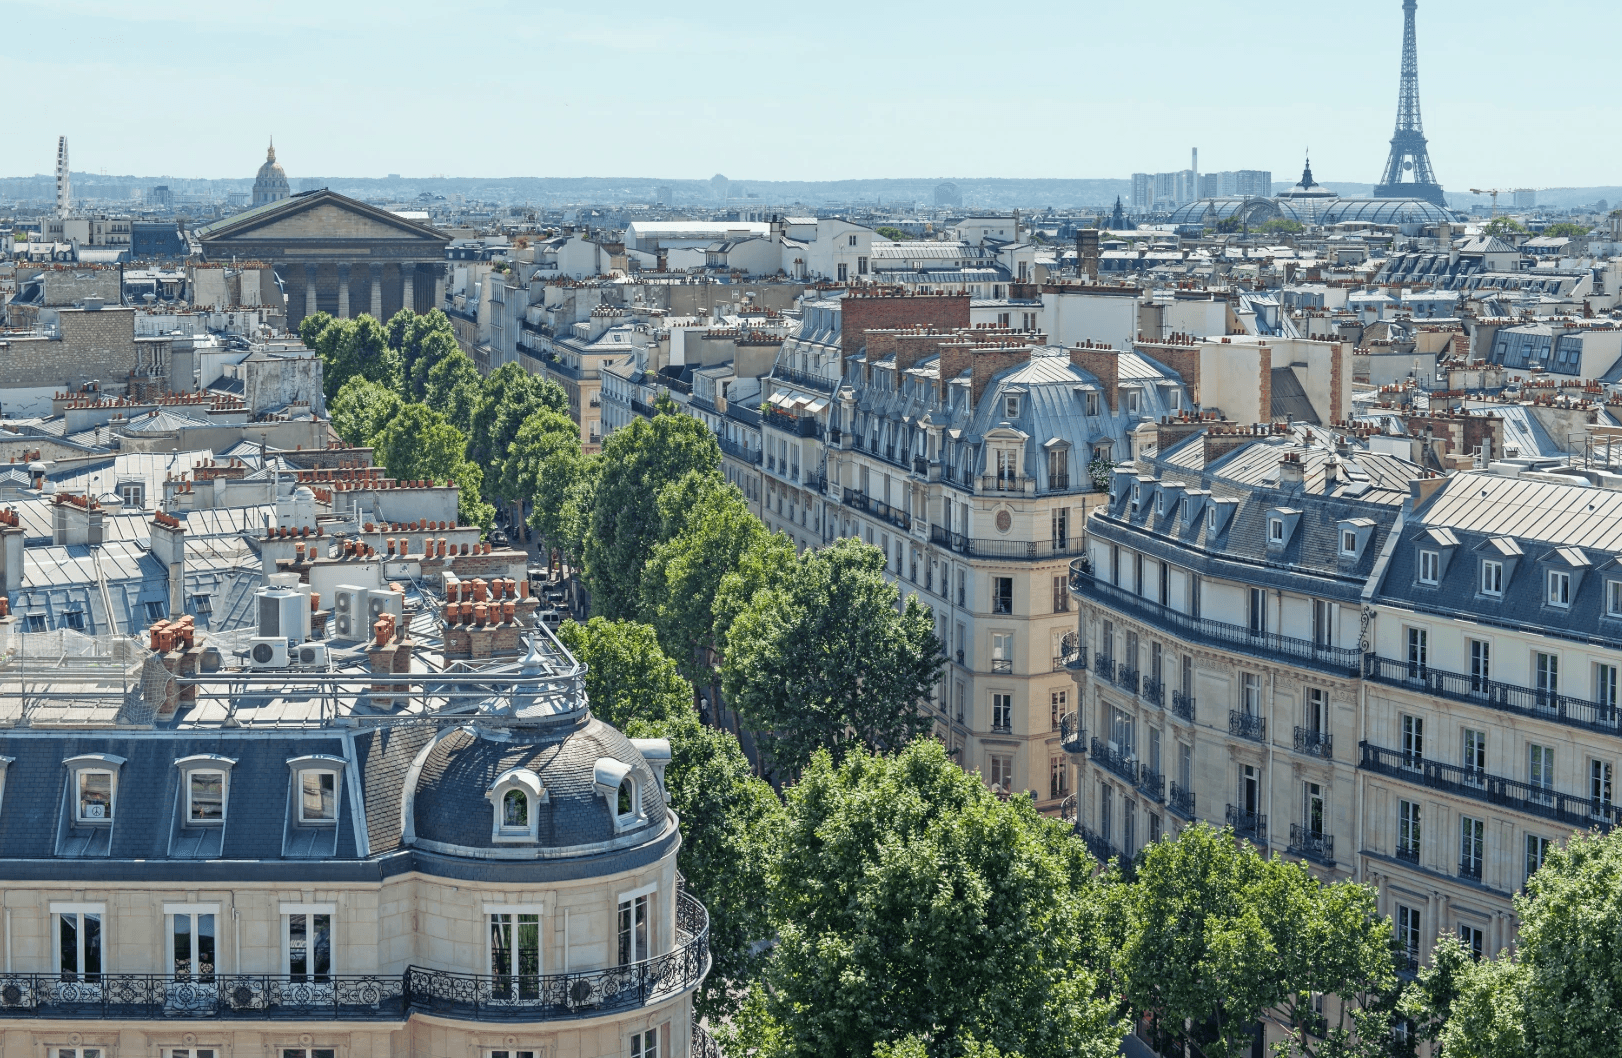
{"x": 805, "y": 378}
{"x": 920, "y": 466}
{"x": 704, "y": 1045}
{"x": 1181, "y": 801}
{"x": 1104, "y": 667}
{"x": 1251, "y": 825}
{"x": 739, "y": 451}
{"x": 982, "y": 547}
{"x": 1317, "y": 847}
{"x": 1153, "y": 691}
{"x": 1488, "y": 788}
{"x": 1098, "y": 845}
{"x": 1152, "y": 783}
{"x": 1071, "y": 736}
{"x": 1004, "y": 665}
{"x": 1126, "y": 679}
{"x": 1408, "y": 853}
{"x": 1470, "y": 869}
{"x": 1114, "y": 760}
{"x": 1182, "y": 705}
{"x": 799, "y": 426}
{"x": 1267, "y": 644}
{"x": 862, "y": 502}
{"x": 1314, "y": 743}
{"x": 373, "y": 997}
{"x": 1247, "y": 725}
{"x": 1524, "y": 701}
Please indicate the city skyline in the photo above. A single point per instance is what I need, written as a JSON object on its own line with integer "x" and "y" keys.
{"x": 600, "y": 97}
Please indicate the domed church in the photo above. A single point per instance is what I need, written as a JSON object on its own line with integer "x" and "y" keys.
{"x": 271, "y": 183}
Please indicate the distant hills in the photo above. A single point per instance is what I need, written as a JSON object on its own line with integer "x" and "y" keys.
{"x": 551, "y": 192}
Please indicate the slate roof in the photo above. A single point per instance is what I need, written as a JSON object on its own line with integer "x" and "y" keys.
{"x": 261, "y": 837}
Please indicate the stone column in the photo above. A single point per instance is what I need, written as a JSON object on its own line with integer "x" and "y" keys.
{"x": 343, "y": 291}
{"x": 311, "y": 307}
{"x": 439, "y": 287}
{"x": 377, "y": 290}
{"x": 408, "y": 285}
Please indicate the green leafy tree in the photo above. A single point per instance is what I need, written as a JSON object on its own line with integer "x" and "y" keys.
{"x": 767, "y": 561}
{"x": 1216, "y": 936}
{"x": 1282, "y": 226}
{"x": 1502, "y": 226}
{"x": 827, "y": 660}
{"x": 731, "y": 823}
{"x": 910, "y": 901}
{"x": 357, "y": 348}
{"x": 708, "y": 528}
{"x": 565, "y": 498}
{"x": 627, "y": 675}
{"x": 310, "y": 328}
{"x": 545, "y": 436}
{"x": 452, "y": 386}
{"x": 509, "y": 397}
{"x": 638, "y": 461}
{"x": 361, "y": 409}
{"x": 916, "y": 1046}
{"x": 417, "y": 443}
{"x": 892, "y": 233}
{"x": 1566, "y": 230}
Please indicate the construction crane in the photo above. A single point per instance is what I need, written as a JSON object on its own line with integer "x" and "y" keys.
{"x": 1496, "y": 191}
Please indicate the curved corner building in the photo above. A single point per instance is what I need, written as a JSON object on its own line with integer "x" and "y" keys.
{"x": 488, "y": 871}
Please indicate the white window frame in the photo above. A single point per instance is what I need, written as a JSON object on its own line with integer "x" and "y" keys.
{"x": 287, "y": 913}
{"x": 648, "y": 894}
{"x": 1348, "y": 542}
{"x": 191, "y": 910}
{"x": 1275, "y": 530}
{"x": 225, "y": 793}
{"x": 57, "y": 910}
{"x": 1613, "y": 598}
{"x": 1430, "y": 566}
{"x": 527, "y": 783}
{"x": 1558, "y": 589}
{"x": 111, "y": 808}
{"x": 1492, "y": 578}
{"x": 337, "y": 784}
{"x": 640, "y": 1046}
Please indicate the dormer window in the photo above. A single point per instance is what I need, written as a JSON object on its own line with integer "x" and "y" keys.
{"x": 516, "y": 797}
{"x": 1137, "y": 495}
{"x": 620, "y": 786}
{"x": 1211, "y": 520}
{"x": 318, "y": 796}
{"x": 1011, "y": 407}
{"x": 1092, "y": 403}
{"x": 96, "y": 789}
{"x": 1348, "y": 541}
{"x": 1559, "y": 588}
{"x": 1492, "y": 577}
{"x": 205, "y": 797}
{"x": 1275, "y": 530}
{"x": 1613, "y": 598}
{"x": 1430, "y": 564}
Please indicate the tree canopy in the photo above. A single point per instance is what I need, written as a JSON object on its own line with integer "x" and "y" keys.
{"x": 826, "y": 659}
{"x": 637, "y": 461}
{"x": 911, "y": 902}
{"x": 627, "y": 675}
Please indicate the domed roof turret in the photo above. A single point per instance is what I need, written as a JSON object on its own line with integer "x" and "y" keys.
{"x": 270, "y": 185}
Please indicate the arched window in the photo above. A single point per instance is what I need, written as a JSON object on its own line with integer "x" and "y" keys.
{"x": 627, "y": 798}
{"x": 515, "y": 809}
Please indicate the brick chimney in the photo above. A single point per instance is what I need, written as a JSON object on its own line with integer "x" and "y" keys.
{"x": 1102, "y": 362}
{"x": 1087, "y": 252}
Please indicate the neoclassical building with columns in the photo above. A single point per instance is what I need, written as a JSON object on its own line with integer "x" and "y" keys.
{"x": 335, "y": 254}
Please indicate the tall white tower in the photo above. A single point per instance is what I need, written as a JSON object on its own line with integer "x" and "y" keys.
{"x": 64, "y": 193}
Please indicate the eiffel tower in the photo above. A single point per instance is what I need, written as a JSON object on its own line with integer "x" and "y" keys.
{"x": 1409, "y": 156}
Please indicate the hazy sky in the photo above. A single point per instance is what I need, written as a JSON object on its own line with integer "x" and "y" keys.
{"x": 835, "y": 89}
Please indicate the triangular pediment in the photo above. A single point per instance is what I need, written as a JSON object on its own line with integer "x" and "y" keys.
{"x": 321, "y": 215}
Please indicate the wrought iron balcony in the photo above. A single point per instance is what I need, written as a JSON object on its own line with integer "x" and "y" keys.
{"x": 1317, "y": 847}
{"x": 1269, "y": 645}
{"x": 1098, "y": 845}
{"x": 1182, "y": 705}
{"x": 1181, "y": 801}
{"x": 1104, "y": 667}
{"x": 1071, "y": 736}
{"x": 1509, "y": 698}
{"x": 369, "y": 997}
{"x": 1004, "y": 665}
{"x": 1126, "y": 679}
{"x": 704, "y": 1045}
{"x": 982, "y": 547}
{"x": 1408, "y": 853}
{"x": 1247, "y": 725}
{"x": 1314, "y": 743}
{"x": 739, "y": 451}
{"x": 1114, "y": 760}
{"x": 1251, "y": 825}
{"x": 1488, "y": 788}
{"x": 1152, "y": 783}
{"x": 1470, "y": 869}
{"x": 1153, "y": 691}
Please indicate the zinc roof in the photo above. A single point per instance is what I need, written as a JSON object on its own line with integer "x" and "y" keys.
{"x": 1534, "y": 510}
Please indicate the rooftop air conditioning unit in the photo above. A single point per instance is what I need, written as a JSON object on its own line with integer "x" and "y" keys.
{"x": 268, "y": 652}
{"x": 283, "y": 612}
{"x": 379, "y": 603}
{"x": 312, "y": 656}
{"x": 348, "y": 612}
